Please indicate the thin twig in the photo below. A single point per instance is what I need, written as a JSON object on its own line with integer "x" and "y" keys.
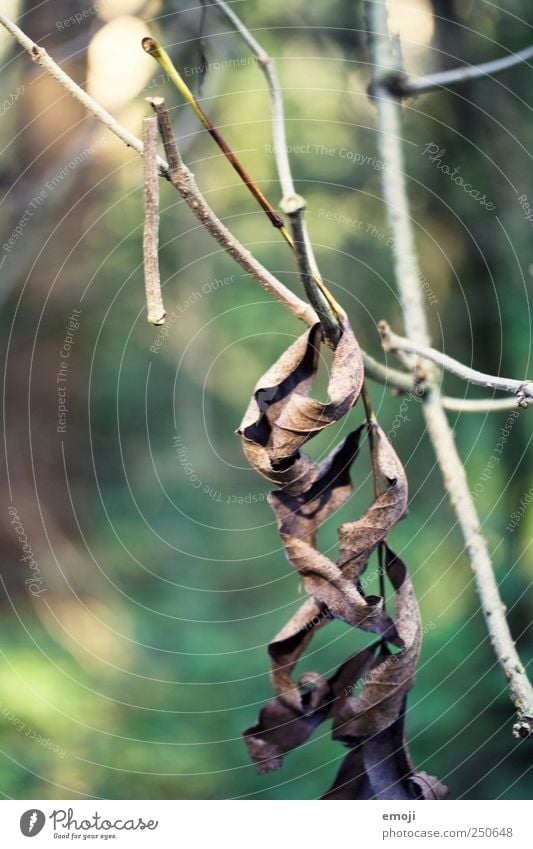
{"x": 493, "y": 608}
{"x": 457, "y": 76}
{"x": 278, "y": 117}
{"x": 371, "y": 423}
{"x": 183, "y": 180}
{"x": 201, "y": 46}
{"x": 483, "y": 405}
{"x": 399, "y": 381}
{"x": 152, "y": 279}
{"x": 392, "y": 342}
{"x": 39, "y": 55}
{"x": 293, "y": 208}
{"x": 374, "y": 369}
{"x": 151, "y": 46}
{"x": 291, "y": 203}
{"x": 439, "y": 431}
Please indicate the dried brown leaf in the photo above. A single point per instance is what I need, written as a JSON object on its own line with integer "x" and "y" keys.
{"x": 299, "y": 516}
{"x": 357, "y": 540}
{"x": 281, "y": 417}
{"x": 380, "y": 767}
{"x": 386, "y": 685}
{"x": 283, "y": 726}
{"x": 328, "y": 490}
{"x": 429, "y": 787}
{"x": 288, "y": 645}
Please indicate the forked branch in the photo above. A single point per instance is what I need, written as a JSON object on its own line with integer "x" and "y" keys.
{"x": 377, "y": 371}
{"x": 386, "y": 65}
{"x": 392, "y": 342}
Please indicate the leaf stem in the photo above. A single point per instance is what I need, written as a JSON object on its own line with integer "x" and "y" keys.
{"x": 151, "y": 46}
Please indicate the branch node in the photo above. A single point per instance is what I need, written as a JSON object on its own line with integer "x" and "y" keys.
{"x": 440, "y": 432}
{"x": 386, "y": 336}
{"x": 292, "y": 204}
{"x": 392, "y": 83}
{"x": 523, "y": 728}
{"x": 525, "y": 394}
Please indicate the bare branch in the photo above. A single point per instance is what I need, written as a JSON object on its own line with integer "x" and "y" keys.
{"x": 483, "y": 405}
{"x": 374, "y": 369}
{"x": 183, "y": 180}
{"x": 392, "y": 342}
{"x": 457, "y": 76}
{"x": 386, "y": 65}
{"x": 152, "y": 280}
{"x": 456, "y": 484}
{"x": 151, "y": 46}
{"x": 293, "y": 207}
{"x": 39, "y": 55}
{"x": 278, "y": 115}
{"x": 399, "y": 381}
{"x": 291, "y": 203}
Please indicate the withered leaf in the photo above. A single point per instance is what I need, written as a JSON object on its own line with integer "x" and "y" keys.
{"x": 357, "y": 540}
{"x": 386, "y": 685}
{"x": 286, "y": 722}
{"x": 351, "y": 781}
{"x": 300, "y": 514}
{"x": 428, "y": 787}
{"x": 326, "y": 583}
{"x": 380, "y": 767}
{"x": 287, "y": 646}
{"x": 330, "y": 488}
{"x": 281, "y": 417}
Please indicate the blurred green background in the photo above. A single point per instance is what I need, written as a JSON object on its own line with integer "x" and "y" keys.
{"x": 136, "y": 669}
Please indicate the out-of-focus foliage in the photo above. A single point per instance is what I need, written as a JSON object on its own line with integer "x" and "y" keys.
{"x": 145, "y": 657}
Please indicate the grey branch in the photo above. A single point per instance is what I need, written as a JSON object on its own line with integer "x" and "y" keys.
{"x": 293, "y": 208}
{"x": 291, "y": 203}
{"x": 386, "y": 66}
{"x": 392, "y": 342}
{"x": 152, "y": 280}
{"x": 375, "y": 370}
{"x": 278, "y": 115}
{"x": 406, "y": 272}
{"x": 457, "y": 76}
{"x": 481, "y": 405}
{"x": 456, "y": 484}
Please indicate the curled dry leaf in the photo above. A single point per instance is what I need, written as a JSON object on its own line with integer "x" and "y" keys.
{"x": 380, "y": 767}
{"x": 281, "y": 728}
{"x": 386, "y": 685}
{"x": 281, "y": 416}
{"x": 369, "y": 722}
{"x": 360, "y": 538}
{"x": 336, "y": 586}
{"x": 280, "y": 419}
